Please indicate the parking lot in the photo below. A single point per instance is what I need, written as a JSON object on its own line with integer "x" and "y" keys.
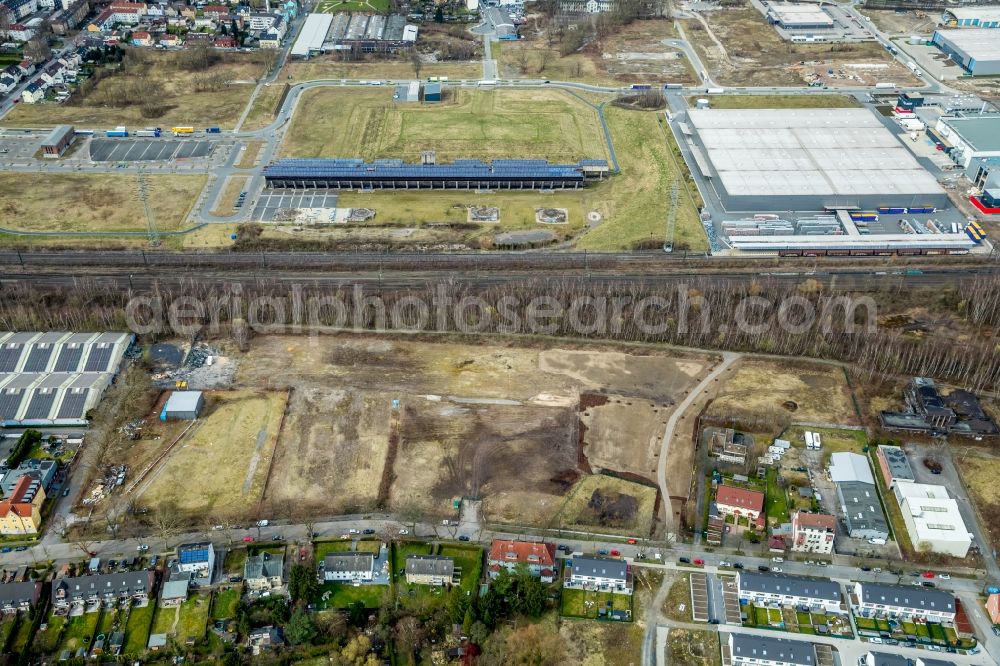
{"x": 19, "y": 147}
{"x": 127, "y": 150}
{"x": 269, "y": 202}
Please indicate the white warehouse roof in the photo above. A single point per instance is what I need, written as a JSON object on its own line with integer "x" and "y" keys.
{"x": 932, "y": 516}
{"x": 313, "y": 34}
{"x": 987, "y": 13}
{"x": 795, "y": 152}
{"x": 981, "y": 44}
{"x": 183, "y": 401}
{"x": 846, "y": 466}
{"x": 790, "y": 15}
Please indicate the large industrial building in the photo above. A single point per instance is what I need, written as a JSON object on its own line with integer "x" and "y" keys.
{"x": 313, "y": 35}
{"x": 798, "y": 17}
{"x": 807, "y": 159}
{"x": 972, "y": 17}
{"x": 976, "y": 50}
{"x": 971, "y": 142}
{"x": 357, "y": 174}
{"x": 56, "y": 378}
{"x": 859, "y": 501}
{"x": 932, "y": 519}
{"x": 365, "y": 33}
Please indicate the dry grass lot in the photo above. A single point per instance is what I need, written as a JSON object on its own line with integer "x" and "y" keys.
{"x": 753, "y": 54}
{"x": 265, "y": 107}
{"x": 225, "y": 456}
{"x": 491, "y": 418}
{"x": 694, "y": 648}
{"x": 634, "y": 53}
{"x": 980, "y": 468}
{"x": 541, "y": 124}
{"x": 249, "y": 156}
{"x": 224, "y": 204}
{"x": 93, "y": 202}
{"x": 209, "y": 236}
{"x": 811, "y": 393}
{"x": 332, "y": 436}
{"x": 327, "y": 67}
{"x": 181, "y": 104}
{"x": 815, "y": 101}
{"x": 609, "y": 504}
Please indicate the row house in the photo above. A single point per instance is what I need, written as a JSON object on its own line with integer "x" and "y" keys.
{"x": 771, "y": 589}
{"x": 605, "y": 574}
{"x": 70, "y": 17}
{"x": 91, "y": 593}
{"x": 19, "y": 9}
{"x": 352, "y": 566}
{"x": 215, "y": 12}
{"x": 169, "y": 41}
{"x": 19, "y": 597}
{"x": 747, "y": 650}
{"x": 907, "y": 602}
{"x": 21, "y": 513}
{"x": 34, "y": 92}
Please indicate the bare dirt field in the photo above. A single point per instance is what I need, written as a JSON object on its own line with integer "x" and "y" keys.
{"x": 220, "y": 466}
{"x": 746, "y": 51}
{"x": 494, "y": 420}
{"x": 786, "y": 392}
{"x": 610, "y": 505}
{"x": 634, "y": 53}
{"x": 905, "y": 23}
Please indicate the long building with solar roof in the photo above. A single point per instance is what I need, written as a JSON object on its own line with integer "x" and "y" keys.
{"x": 459, "y": 175}
{"x": 55, "y": 378}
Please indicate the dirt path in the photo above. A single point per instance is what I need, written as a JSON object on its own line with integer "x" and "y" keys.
{"x": 177, "y": 618}
{"x": 715, "y": 40}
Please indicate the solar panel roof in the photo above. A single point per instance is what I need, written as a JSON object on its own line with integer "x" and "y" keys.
{"x": 10, "y": 355}
{"x": 40, "y": 403}
{"x": 38, "y": 357}
{"x": 97, "y": 360}
{"x": 461, "y": 169}
{"x": 69, "y": 358}
{"x": 10, "y": 403}
{"x": 74, "y": 404}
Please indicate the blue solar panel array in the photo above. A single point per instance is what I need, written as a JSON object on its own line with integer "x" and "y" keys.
{"x": 193, "y": 555}
{"x": 460, "y": 169}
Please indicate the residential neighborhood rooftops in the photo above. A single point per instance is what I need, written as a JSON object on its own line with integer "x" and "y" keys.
{"x": 430, "y": 565}
{"x": 765, "y": 649}
{"x": 600, "y": 567}
{"x": 799, "y": 586}
{"x": 847, "y": 466}
{"x": 526, "y": 552}
{"x": 263, "y": 566}
{"x": 351, "y": 561}
{"x": 175, "y": 588}
{"x": 816, "y": 521}
{"x": 906, "y": 596}
{"x": 740, "y": 497}
{"x": 14, "y": 594}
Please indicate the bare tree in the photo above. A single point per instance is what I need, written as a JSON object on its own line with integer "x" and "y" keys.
{"x": 416, "y": 62}
{"x": 166, "y": 522}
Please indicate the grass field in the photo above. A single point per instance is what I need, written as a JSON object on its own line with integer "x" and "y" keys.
{"x": 210, "y": 236}
{"x": 584, "y": 603}
{"x": 576, "y": 513}
{"x": 188, "y": 620}
{"x": 79, "y": 632}
{"x": 249, "y": 156}
{"x": 470, "y": 560}
{"x": 181, "y": 103}
{"x": 329, "y": 68}
{"x": 225, "y": 203}
{"x": 225, "y": 603}
{"x": 677, "y": 605}
{"x": 93, "y": 202}
{"x": 811, "y": 101}
{"x": 47, "y": 640}
{"x": 224, "y": 457}
{"x": 265, "y": 107}
{"x": 342, "y": 595}
{"x": 468, "y": 124}
{"x": 800, "y": 392}
{"x": 137, "y": 628}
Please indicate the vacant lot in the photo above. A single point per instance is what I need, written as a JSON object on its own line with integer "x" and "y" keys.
{"x": 334, "y": 437}
{"x": 609, "y": 504}
{"x": 694, "y": 648}
{"x": 187, "y": 621}
{"x": 219, "y": 468}
{"x": 633, "y": 53}
{"x": 980, "y": 468}
{"x": 746, "y": 51}
{"x": 499, "y": 421}
{"x": 468, "y": 124}
{"x": 226, "y": 201}
{"x": 212, "y": 96}
{"x": 815, "y": 101}
{"x": 93, "y": 202}
{"x": 327, "y": 67}
{"x": 779, "y": 392}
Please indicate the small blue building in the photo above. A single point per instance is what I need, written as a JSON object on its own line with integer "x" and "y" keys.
{"x": 432, "y": 92}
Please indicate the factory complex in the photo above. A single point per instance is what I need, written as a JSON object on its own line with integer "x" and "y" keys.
{"x": 365, "y": 33}
{"x": 976, "y": 50}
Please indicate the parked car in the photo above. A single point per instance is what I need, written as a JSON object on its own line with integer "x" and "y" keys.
{"x": 404, "y": 532}
{"x": 615, "y": 553}
{"x": 368, "y": 531}
{"x": 353, "y": 531}
{"x": 65, "y": 492}
{"x": 247, "y": 539}
{"x": 463, "y": 538}
{"x": 633, "y": 541}
{"x": 737, "y": 565}
{"x": 944, "y": 576}
{"x": 699, "y": 563}
{"x": 928, "y": 574}
{"x": 763, "y": 569}
{"x": 928, "y": 583}
{"x": 684, "y": 560}
{"x": 142, "y": 548}
{"x": 776, "y": 569}
{"x": 865, "y": 568}
{"x": 725, "y": 564}
{"x": 602, "y": 551}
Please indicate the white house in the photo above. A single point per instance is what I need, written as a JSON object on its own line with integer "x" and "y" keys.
{"x": 351, "y": 566}
{"x": 813, "y": 532}
{"x": 600, "y": 573}
{"x": 902, "y": 601}
{"x": 34, "y": 92}
{"x": 261, "y": 21}
{"x": 771, "y": 589}
{"x": 932, "y": 519}
{"x": 197, "y": 559}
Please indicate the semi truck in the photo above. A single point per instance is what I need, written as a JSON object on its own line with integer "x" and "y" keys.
{"x": 117, "y": 132}
{"x": 178, "y": 131}
{"x": 884, "y": 85}
{"x": 150, "y": 132}
{"x": 641, "y": 86}
{"x": 213, "y": 130}
{"x": 673, "y": 86}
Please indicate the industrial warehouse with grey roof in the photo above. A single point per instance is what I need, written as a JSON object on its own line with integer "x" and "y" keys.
{"x": 55, "y": 378}
{"x": 807, "y": 159}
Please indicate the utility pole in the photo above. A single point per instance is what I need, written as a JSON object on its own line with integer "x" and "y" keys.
{"x": 143, "y": 193}
{"x": 668, "y": 237}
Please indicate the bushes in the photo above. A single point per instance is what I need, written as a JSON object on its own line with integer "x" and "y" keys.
{"x": 27, "y": 441}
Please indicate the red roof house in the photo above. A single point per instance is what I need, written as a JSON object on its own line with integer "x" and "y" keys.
{"x": 739, "y": 502}
{"x": 537, "y": 556}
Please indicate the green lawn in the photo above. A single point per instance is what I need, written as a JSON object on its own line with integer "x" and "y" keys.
{"x": 323, "y": 548}
{"x": 137, "y": 628}
{"x": 365, "y": 6}
{"x": 470, "y": 559}
{"x": 47, "y": 640}
{"x": 79, "y": 632}
{"x": 225, "y": 603}
{"x": 760, "y": 617}
{"x": 412, "y": 596}
{"x": 6, "y": 629}
{"x": 342, "y": 595}
{"x": 584, "y": 603}
{"x": 775, "y": 498}
{"x": 191, "y": 619}
{"x": 234, "y": 561}
{"x": 811, "y": 101}
{"x": 22, "y": 636}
